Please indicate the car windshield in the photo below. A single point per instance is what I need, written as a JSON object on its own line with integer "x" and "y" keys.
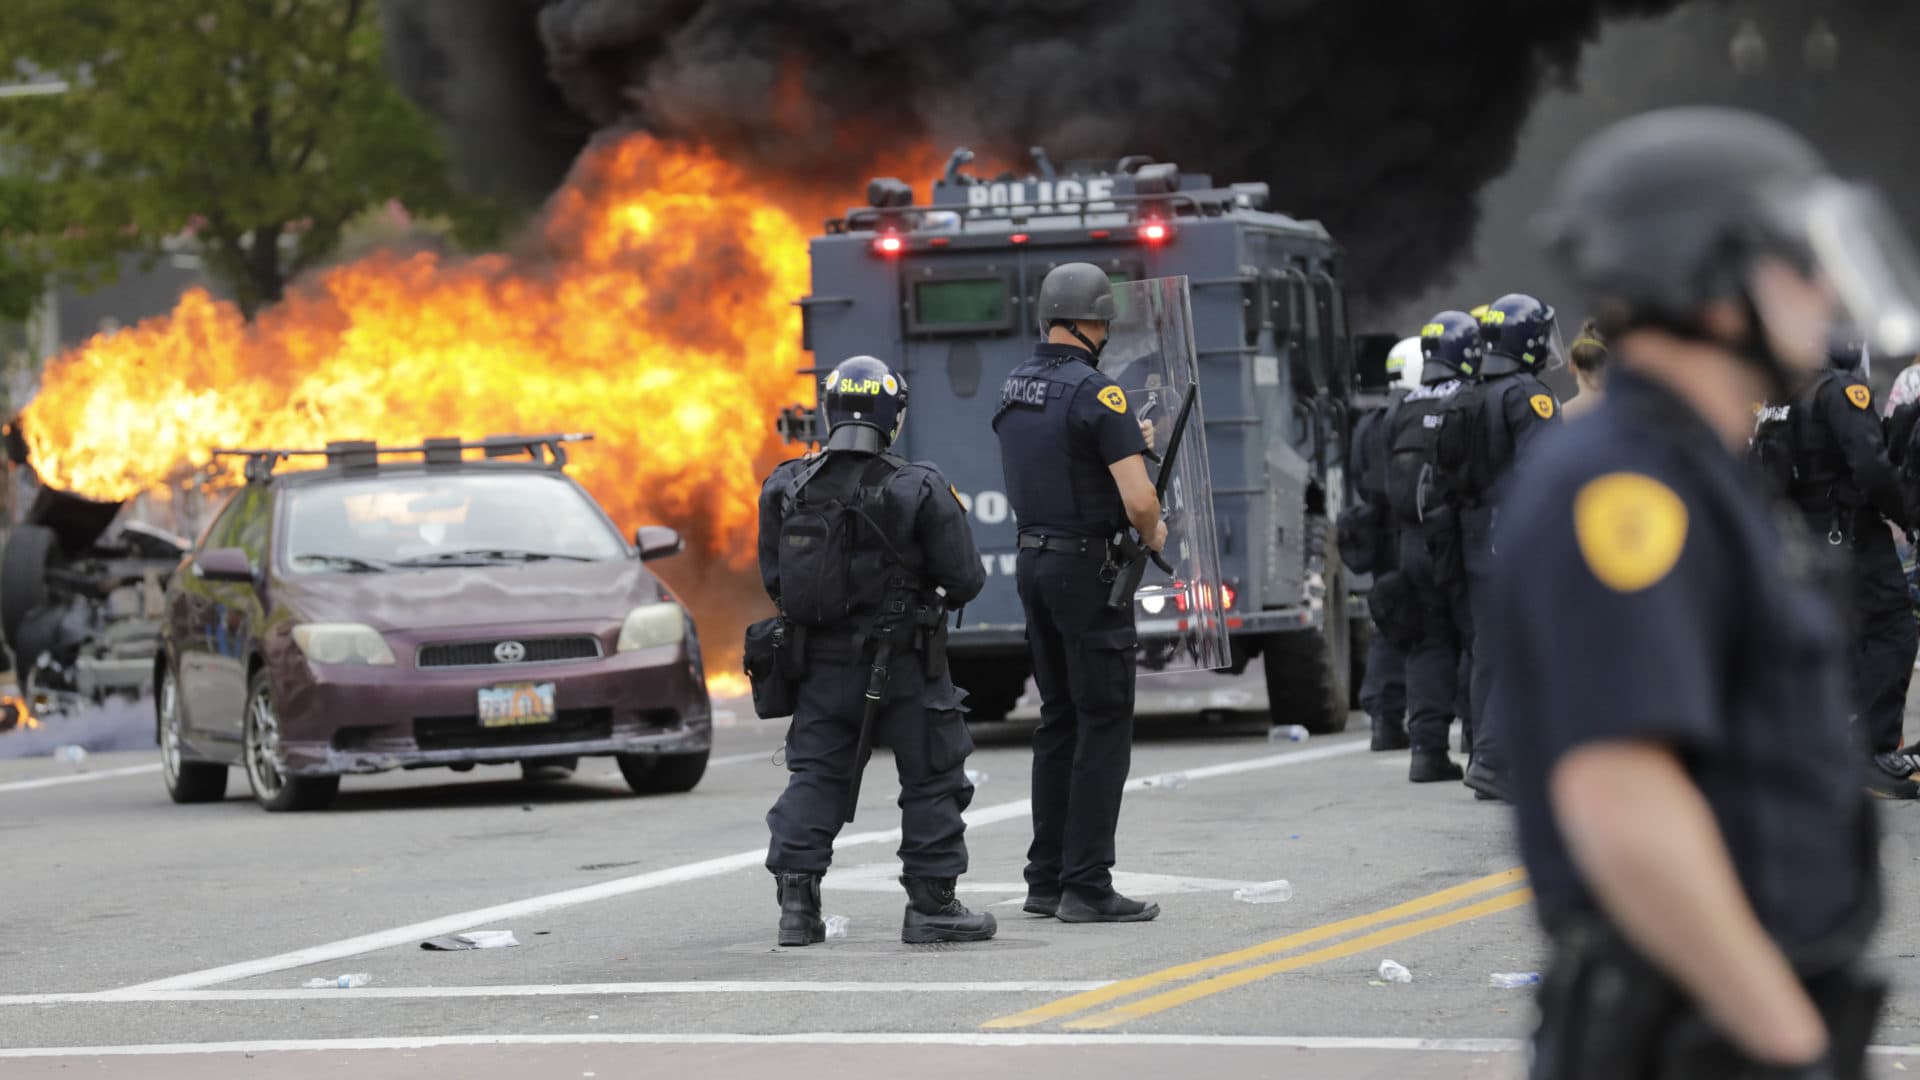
{"x": 455, "y": 519}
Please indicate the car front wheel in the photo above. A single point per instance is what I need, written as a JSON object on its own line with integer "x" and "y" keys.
{"x": 187, "y": 781}
{"x": 662, "y": 774}
{"x": 273, "y": 788}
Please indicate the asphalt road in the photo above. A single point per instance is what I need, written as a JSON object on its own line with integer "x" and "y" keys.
{"x": 143, "y": 939}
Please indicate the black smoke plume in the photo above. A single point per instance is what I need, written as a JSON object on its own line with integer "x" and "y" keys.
{"x": 1383, "y": 121}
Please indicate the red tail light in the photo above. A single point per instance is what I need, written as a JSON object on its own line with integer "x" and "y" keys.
{"x": 1154, "y": 232}
{"x": 888, "y": 244}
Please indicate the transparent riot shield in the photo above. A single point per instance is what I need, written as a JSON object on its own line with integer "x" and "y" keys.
{"x": 1150, "y": 353}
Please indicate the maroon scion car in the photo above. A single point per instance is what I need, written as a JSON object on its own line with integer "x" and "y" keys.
{"x": 413, "y": 607}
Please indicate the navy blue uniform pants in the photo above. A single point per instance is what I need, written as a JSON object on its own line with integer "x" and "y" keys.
{"x": 1885, "y": 637}
{"x": 1083, "y": 666}
{"x": 1435, "y": 675}
{"x": 1488, "y": 729}
{"x": 1383, "y": 693}
{"x": 930, "y": 749}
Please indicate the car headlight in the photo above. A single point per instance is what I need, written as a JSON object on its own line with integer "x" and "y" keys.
{"x": 655, "y": 624}
{"x": 342, "y": 643}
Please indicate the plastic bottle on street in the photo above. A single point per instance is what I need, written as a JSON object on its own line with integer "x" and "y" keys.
{"x": 75, "y": 756}
{"x": 1172, "y": 781}
{"x": 976, "y": 777}
{"x": 837, "y": 926}
{"x": 1394, "y": 972}
{"x": 1513, "y": 980}
{"x": 340, "y": 982}
{"x": 1267, "y": 892}
{"x": 1289, "y": 733}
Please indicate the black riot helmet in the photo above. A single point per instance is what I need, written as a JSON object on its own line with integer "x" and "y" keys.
{"x": 1450, "y": 348}
{"x": 1074, "y": 293}
{"x": 1521, "y": 335}
{"x": 1849, "y": 354}
{"x": 865, "y": 403}
{"x": 1666, "y": 213}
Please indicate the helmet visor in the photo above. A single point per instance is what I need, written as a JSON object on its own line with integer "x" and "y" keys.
{"x": 1556, "y": 350}
{"x": 1859, "y": 247}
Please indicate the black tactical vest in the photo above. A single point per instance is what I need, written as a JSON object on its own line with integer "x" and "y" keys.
{"x": 1056, "y": 484}
{"x": 1415, "y": 423}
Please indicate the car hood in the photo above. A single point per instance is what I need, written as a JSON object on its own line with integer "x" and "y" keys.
{"x": 471, "y": 595}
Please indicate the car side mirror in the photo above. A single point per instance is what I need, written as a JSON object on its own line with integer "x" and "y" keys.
{"x": 657, "y": 542}
{"x": 223, "y": 564}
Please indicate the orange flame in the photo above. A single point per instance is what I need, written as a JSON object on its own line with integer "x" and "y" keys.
{"x": 655, "y": 313}
{"x": 23, "y": 715}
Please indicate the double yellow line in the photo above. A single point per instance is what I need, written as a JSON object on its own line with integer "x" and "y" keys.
{"x": 1234, "y": 974}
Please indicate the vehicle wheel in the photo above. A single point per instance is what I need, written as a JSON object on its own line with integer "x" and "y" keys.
{"x": 549, "y": 769}
{"x": 993, "y": 685}
{"x": 30, "y": 551}
{"x": 662, "y": 774}
{"x": 187, "y": 781}
{"x": 274, "y": 789}
{"x": 1307, "y": 670}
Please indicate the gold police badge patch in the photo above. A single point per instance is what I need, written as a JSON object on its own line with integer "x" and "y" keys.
{"x": 1631, "y": 529}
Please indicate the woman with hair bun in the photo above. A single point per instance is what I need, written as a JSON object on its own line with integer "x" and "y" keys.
{"x": 1588, "y": 355}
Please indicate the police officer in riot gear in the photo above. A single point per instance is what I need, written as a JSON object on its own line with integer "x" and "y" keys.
{"x": 1426, "y": 512}
{"x": 1686, "y": 781}
{"x": 863, "y": 553}
{"x": 1076, "y": 477}
{"x": 1370, "y": 544}
{"x": 1510, "y": 408}
{"x": 1824, "y": 448}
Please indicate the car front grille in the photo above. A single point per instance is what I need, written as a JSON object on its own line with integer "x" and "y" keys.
{"x": 548, "y": 650}
{"x": 465, "y": 732}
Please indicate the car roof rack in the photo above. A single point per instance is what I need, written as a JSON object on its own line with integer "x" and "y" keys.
{"x": 357, "y": 454}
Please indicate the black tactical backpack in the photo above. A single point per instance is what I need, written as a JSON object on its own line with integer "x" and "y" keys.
{"x": 836, "y": 562}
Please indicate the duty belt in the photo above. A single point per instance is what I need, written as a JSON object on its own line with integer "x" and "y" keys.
{"x": 1092, "y": 547}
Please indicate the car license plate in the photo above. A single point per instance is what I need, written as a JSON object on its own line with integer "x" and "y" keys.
{"x": 517, "y": 705}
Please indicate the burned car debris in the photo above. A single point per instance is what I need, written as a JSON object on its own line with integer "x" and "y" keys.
{"x": 80, "y": 600}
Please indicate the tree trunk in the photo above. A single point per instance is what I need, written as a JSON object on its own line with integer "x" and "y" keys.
{"x": 264, "y": 283}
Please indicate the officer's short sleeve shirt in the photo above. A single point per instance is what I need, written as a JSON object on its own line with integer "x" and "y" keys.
{"x": 1101, "y": 414}
{"x": 1649, "y": 594}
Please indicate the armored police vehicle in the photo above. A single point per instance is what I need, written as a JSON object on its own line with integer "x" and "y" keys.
{"x": 945, "y": 292}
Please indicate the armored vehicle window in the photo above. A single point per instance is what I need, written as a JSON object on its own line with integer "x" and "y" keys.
{"x": 964, "y": 304}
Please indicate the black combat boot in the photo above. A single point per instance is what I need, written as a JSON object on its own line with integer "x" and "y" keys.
{"x": 800, "y": 922}
{"x": 1433, "y": 766}
{"x": 1887, "y": 778}
{"x": 1040, "y": 902}
{"x": 1390, "y": 732}
{"x": 1083, "y": 906}
{"x": 1487, "y": 785}
{"x": 933, "y": 914}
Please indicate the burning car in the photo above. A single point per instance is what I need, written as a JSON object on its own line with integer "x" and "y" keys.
{"x": 80, "y": 600}
{"x": 412, "y": 607}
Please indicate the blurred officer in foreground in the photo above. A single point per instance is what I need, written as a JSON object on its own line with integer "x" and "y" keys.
{"x": 1687, "y": 785}
{"x": 1509, "y": 408}
{"x": 1824, "y": 448}
{"x": 1370, "y": 544}
{"x": 1075, "y": 477}
{"x": 863, "y": 553}
{"x": 1426, "y": 512}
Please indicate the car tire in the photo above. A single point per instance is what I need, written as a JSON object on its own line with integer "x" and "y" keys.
{"x": 187, "y": 781}
{"x": 662, "y": 774}
{"x": 993, "y": 685}
{"x": 273, "y": 789}
{"x": 30, "y": 551}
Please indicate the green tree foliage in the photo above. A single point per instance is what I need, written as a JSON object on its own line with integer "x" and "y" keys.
{"x": 259, "y": 127}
